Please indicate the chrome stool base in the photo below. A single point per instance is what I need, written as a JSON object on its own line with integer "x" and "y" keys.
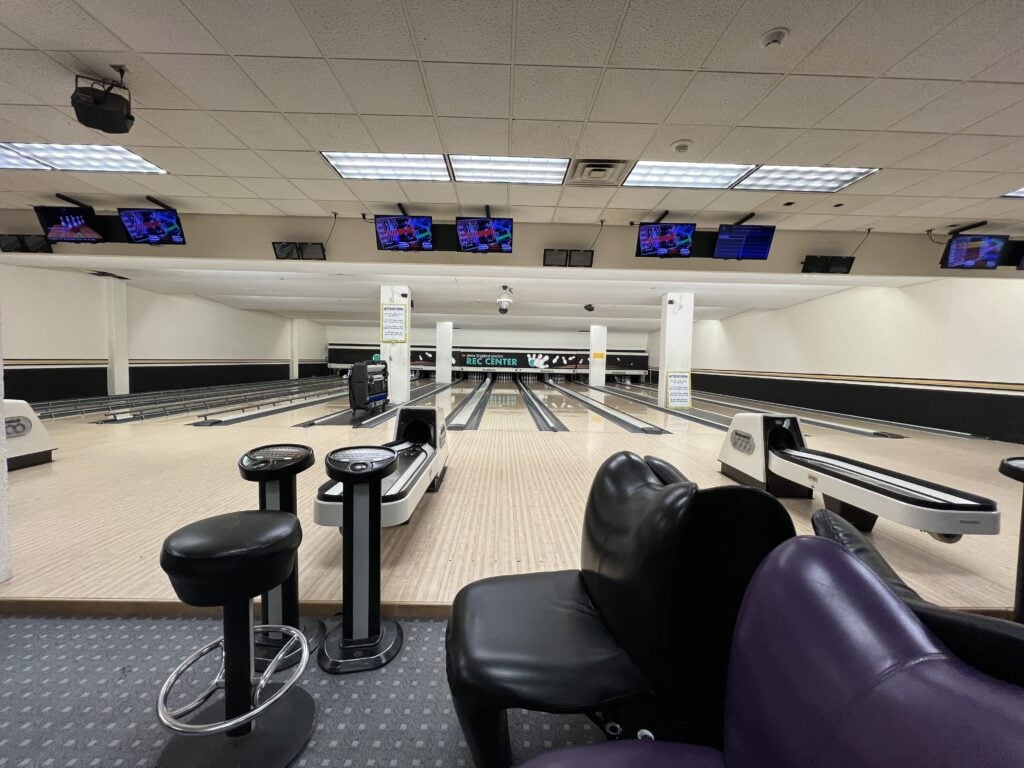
{"x": 267, "y": 646}
{"x": 274, "y": 742}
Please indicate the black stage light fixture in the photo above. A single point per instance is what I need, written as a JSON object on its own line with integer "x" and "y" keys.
{"x": 832, "y": 265}
{"x": 556, "y": 257}
{"x": 581, "y": 258}
{"x": 97, "y": 106}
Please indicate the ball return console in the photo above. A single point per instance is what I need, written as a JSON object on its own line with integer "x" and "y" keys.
{"x": 768, "y": 451}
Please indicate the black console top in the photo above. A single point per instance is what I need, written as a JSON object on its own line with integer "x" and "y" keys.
{"x": 1013, "y": 467}
{"x": 361, "y": 464}
{"x": 272, "y": 462}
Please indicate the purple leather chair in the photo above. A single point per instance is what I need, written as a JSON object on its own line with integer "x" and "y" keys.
{"x": 830, "y": 669}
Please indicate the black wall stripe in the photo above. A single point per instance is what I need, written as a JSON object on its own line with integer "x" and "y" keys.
{"x": 35, "y": 384}
{"x": 152, "y": 378}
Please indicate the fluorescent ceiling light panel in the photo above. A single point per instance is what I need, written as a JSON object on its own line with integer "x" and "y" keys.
{"x": 652, "y": 173}
{"x": 87, "y": 157}
{"x": 11, "y": 160}
{"x": 1015, "y": 193}
{"x": 510, "y": 170}
{"x": 801, "y": 178}
{"x": 386, "y": 165}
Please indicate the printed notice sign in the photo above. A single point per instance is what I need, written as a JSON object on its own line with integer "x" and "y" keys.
{"x": 393, "y": 323}
{"x": 678, "y": 388}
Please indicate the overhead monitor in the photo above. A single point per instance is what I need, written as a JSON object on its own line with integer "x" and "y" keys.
{"x": 665, "y": 240}
{"x": 69, "y": 225}
{"x": 744, "y": 241}
{"x": 556, "y": 257}
{"x": 831, "y": 265}
{"x": 973, "y": 252}
{"x": 312, "y": 252}
{"x": 482, "y": 235}
{"x": 404, "y": 233}
{"x": 152, "y": 226}
{"x": 581, "y": 258}
{"x": 287, "y": 251}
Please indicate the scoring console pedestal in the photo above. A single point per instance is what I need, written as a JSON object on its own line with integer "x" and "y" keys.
{"x": 1013, "y": 467}
{"x": 364, "y": 640}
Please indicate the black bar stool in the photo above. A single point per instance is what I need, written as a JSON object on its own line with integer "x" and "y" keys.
{"x": 227, "y": 560}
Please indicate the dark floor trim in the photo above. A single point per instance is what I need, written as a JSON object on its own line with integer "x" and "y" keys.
{"x": 29, "y": 460}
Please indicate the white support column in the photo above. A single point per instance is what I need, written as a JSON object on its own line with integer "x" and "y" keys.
{"x": 293, "y": 349}
{"x": 598, "y": 352}
{"x": 443, "y": 353}
{"x": 394, "y": 339}
{"x": 5, "y": 547}
{"x": 676, "y": 344}
{"x": 116, "y": 293}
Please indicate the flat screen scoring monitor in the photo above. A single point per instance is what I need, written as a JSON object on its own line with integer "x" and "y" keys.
{"x": 155, "y": 226}
{"x": 484, "y": 235}
{"x": 973, "y": 251}
{"x": 744, "y": 241}
{"x": 69, "y": 225}
{"x": 404, "y": 233}
{"x": 665, "y": 240}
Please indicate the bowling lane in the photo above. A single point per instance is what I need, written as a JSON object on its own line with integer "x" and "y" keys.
{"x": 449, "y": 399}
{"x": 506, "y": 411}
{"x": 575, "y": 417}
{"x": 674, "y": 424}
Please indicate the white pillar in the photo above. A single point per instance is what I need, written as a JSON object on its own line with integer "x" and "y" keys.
{"x": 293, "y": 349}
{"x": 676, "y": 344}
{"x": 598, "y": 352}
{"x": 116, "y": 293}
{"x": 443, "y": 353}
{"x": 394, "y": 339}
{"x": 5, "y": 549}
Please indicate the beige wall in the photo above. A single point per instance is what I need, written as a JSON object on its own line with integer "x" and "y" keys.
{"x": 312, "y": 340}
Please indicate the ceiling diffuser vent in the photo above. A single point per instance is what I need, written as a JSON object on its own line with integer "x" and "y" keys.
{"x": 596, "y": 173}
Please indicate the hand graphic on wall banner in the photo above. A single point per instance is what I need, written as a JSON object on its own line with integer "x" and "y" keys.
{"x": 537, "y": 361}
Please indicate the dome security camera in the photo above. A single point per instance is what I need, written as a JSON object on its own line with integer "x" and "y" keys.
{"x": 504, "y": 300}
{"x": 588, "y": 307}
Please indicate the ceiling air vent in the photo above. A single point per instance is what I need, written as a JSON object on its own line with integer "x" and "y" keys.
{"x": 596, "y": 173}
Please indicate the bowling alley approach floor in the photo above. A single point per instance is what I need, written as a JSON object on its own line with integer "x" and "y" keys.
{"x": 86, "y": 530}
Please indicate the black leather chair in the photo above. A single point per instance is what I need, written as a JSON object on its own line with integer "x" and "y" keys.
{"x": 639, "y": 636}
{"x": 994, "y": 646}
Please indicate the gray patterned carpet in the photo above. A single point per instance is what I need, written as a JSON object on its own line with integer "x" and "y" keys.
{"x": 78, "y": 693}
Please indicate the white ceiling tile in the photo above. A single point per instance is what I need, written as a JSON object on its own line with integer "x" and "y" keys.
{"x": 469, "y": 90}
{"x": 482, "y": 194}
{"x": 1009, "y": 70}
{"x": 149, "y": 88}
{"x": 701, "y": 139}
{"x": 721, "y": 98}
{"x": 366, "y": 189}
{"x": 996, "y": 186}
{"x": 403, "y": 133}
{"x": 301, "y": 207}
{"x": 359, "y": 29}
{"x": 334, "y": 133}
{"x": 53, "y": 125}
{"x": 884, "y": 102}
{"x": 116, "y": 183}
{"x": 18, "y": 133}
{"x": 907, "y": 224}
{"x": 805, "y": 221}
{"x": 847, "y": 204}
{"x": 637, "y": 198}
{"x": 297, "y": 85}
{"x": 739, "y": 200}
{"x": 324, "y": 189}
{"x": 887, "y": 181}
{"x": 892, "y": 206}
{"x": 272, "y": 188}
{"x": 474, "y": 135}
{"x": 262, "y": 130}
{"x": 818, "y": 147}
{"x": 299, "y": 165}
{"x": 251, "y": 207}
{"x": 585, "y": 197}
{"x": 965, "y": 105}
{"x": 886, "y": 149}
{"x": 946, "y": 183}
{"x": 552, "y": 33}
{"x": 34, "y": 181}
{"x": 206, "y": 205}
{"x": 462, "y": 30}
{"x": 739, "y": 49}
{"x": 429, "y": 192}
{"x": 624, "y": 141}
{"x": 627, "y": 216}
{"x": 878, "y": 33}
{"x": 191, "y": 128}
{"x": 58, "y": 25}
{"x": 219, "y": 186}
{"x": 10, "y": 40}
{"x": 690, "y": 199}
{"x": 212, "y": 82}
{"x": 37, "y": 75}
{"x": 850, "y": 224}
{"x": 638, "y": 95}
{"x": 404, "y": 93}
{"x": 751, "y": 145}
{"x": 940, "y": 206}
{"x": 577, "y": 215}
{"x": 11, "y": 95}
{"x": 554, "y": 93}
{"x": 177, "y": 160}
{"x": 255, "y": 27}
{"x": 15, "y": 200}
{"x": 540, "y": 215}
{"x": 954, "y": 151}
{"x": 1007, "y": 122}
{"x": 800, "y": 101}
{"x": 544, "y": 138}
{"x": 237, "y": 162}
{"x": 670, "y": 34}
{"x": 154, "y": 26}
{"x": 143, "y": 133}
{"x": 989, "y": 209}
{"x": 984, "y": 33}
{"x": 792, "y": 202}
{"x": 1008, "y": 158}
{"x": 534, "y": 194}
{"x": 166, "y": 185}
{"x": 441, "y": 211}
